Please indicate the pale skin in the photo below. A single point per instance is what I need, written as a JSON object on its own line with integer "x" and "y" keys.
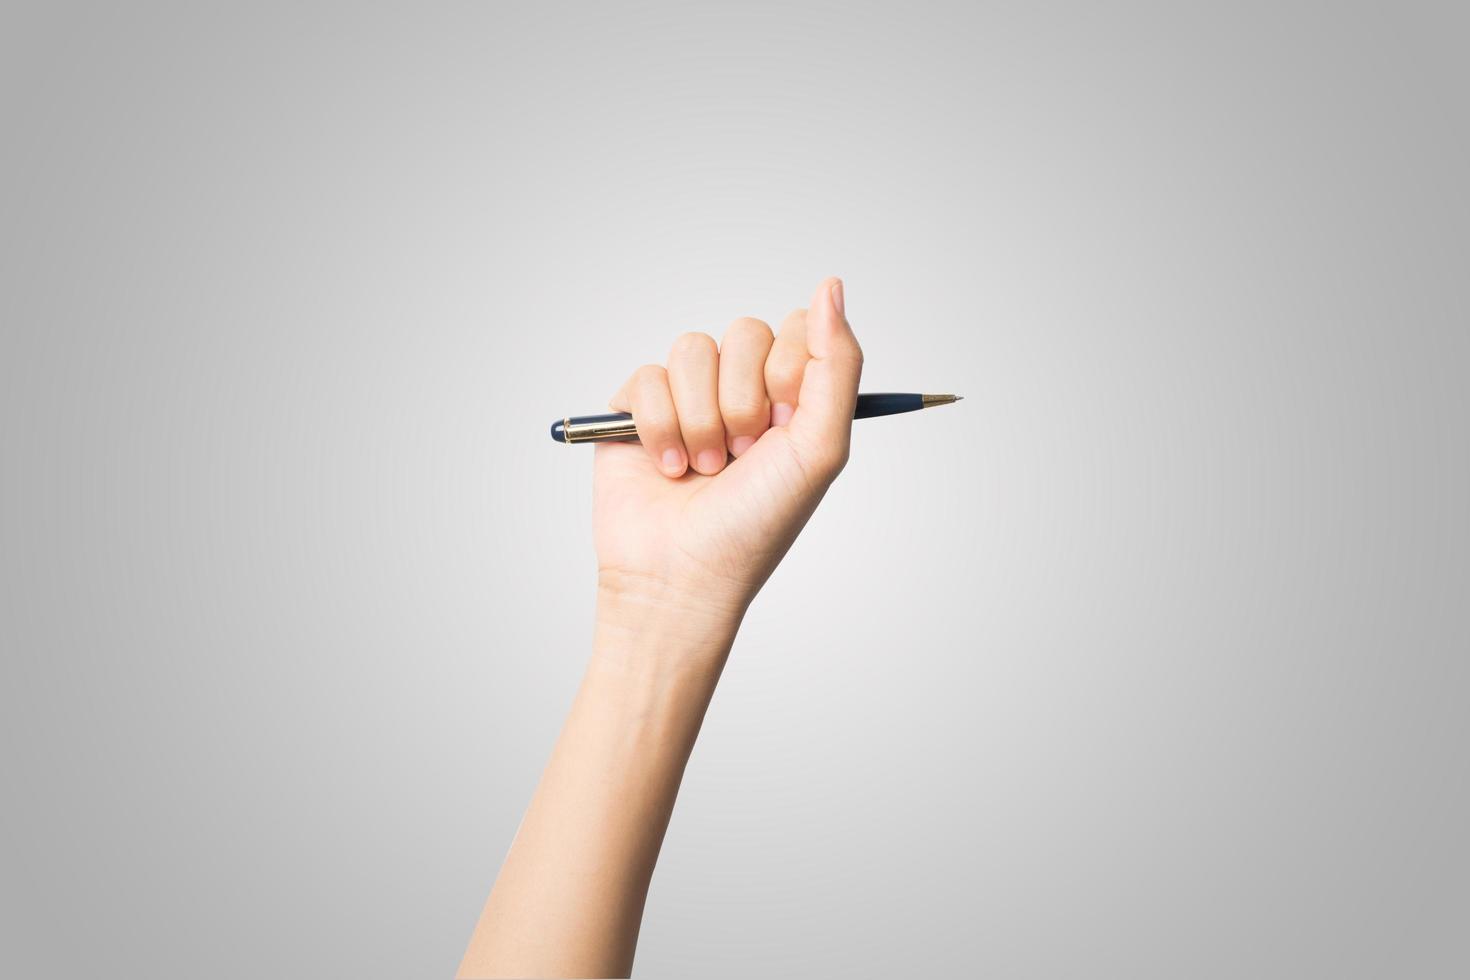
{"x": 739, "y": 442}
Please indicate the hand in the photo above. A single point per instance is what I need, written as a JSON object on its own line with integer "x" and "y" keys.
{"x": 676, "y": 520}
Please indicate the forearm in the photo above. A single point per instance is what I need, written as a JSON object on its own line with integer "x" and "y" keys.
{"x": 570, "y": 895}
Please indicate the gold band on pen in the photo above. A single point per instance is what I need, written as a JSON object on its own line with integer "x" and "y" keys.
{"x": 599, "y": 431}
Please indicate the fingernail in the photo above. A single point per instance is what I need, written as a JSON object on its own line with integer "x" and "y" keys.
{"x": 673, "y": 462}
{"x": 781, "y": 413}
{"x": 710, "y": 461}
{"x": 837, "y": 298}
{"x": 740, "y": 444}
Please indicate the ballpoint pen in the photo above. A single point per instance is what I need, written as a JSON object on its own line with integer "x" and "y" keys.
{"x": 620, "y": 426}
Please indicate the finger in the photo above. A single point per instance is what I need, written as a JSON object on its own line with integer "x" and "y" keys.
{"x": 694, "y": 379}
{"x": 744, "y": 407}
{"x": 822, "y": 424}
{"x": 647, "y": 398}
{"x": 785, "y": 366}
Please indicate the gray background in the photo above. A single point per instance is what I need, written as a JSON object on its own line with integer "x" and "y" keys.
{"x": 1170, "y": 675}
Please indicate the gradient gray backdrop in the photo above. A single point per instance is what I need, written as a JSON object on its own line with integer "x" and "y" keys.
{"x": 1170, "y": 674}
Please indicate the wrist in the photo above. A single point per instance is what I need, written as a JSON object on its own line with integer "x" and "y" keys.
{"x": 662, "y": 624}
{"x": 699, "y": 603}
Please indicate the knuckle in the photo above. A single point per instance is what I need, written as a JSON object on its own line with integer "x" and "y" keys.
{"x": 749, "y": 328}
{"x": 654, "y": 420}
{"x": 650, "y": 374}
{"x": 700, "y": 423}
{"x": 785, "y": 357}
{"x": 744, "y": 408}
{"x": 694, "y": 345}
{"x": 784, "y": 371}
{"x": 655, "y": 435}
{"x": 850, "y": 354}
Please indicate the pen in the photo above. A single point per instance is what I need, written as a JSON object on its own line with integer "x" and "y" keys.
{"x": 620, "y": 425}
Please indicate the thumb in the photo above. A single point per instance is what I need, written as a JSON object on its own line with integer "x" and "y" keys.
{"x": 822, "y": 424}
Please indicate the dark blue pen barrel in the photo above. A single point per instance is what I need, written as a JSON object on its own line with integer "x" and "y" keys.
{"x": 593, "y": 419}
{"x": 884, "y": 403}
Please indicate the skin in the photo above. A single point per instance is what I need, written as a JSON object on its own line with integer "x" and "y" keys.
{"x": 739, "y": 442}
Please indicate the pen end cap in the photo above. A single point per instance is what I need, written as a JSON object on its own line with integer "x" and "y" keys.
{"x": 559, "y": 430}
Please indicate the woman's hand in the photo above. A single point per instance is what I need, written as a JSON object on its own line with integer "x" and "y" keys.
{"x": 680, "y": 524}
{"x": 681, "y": 550}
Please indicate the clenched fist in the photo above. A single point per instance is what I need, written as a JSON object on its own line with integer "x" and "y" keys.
{"x": 739, "y": 443}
